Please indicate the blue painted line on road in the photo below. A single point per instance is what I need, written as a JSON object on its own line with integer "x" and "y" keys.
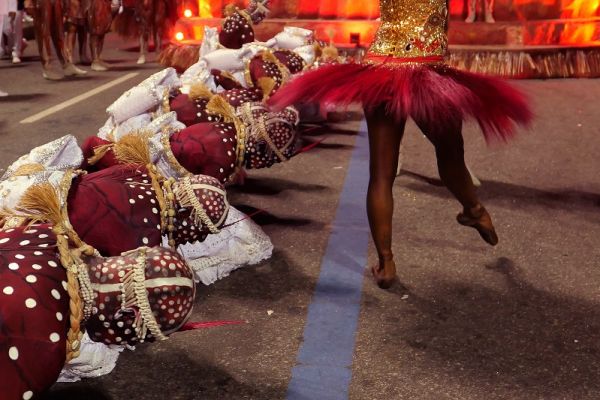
{"x": 324, "y": 361}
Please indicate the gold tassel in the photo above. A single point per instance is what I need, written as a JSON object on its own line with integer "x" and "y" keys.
{"x": 330, "y": 53}
{"x": 99, "y": 152}
{"x": 267, "y": 56}
{"x": 229, "y": 10}
{"x": 29, "y": 169}
{"x": 41, "y": 202}
{"x": 218, "y": 105}
{"x": 267, "y": 85}
{"x": 133, "y": 149}
{"x": 200, "y": 91}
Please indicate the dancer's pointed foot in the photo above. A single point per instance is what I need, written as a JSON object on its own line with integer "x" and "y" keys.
{"x": 385, "y": 272}
{"x": 478, "y": 218}
{"x": 141, "y": 60}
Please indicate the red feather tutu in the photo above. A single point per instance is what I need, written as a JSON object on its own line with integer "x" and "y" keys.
{"x": 430, "y": 94}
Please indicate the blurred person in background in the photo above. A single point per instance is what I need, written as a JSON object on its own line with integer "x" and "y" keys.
{"x": 48, "y": 23}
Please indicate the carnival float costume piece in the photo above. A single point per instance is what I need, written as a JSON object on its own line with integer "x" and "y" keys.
{"x": 404, "y": 75}
{"x": 52, "y": 292}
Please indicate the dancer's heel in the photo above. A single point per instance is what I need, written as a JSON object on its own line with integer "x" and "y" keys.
{"x": 385, "y": 272}
{"x": 478, "y": 218}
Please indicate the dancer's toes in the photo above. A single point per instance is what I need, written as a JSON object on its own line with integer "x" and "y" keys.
{"x": 478, "y": 218}
{"x": 384, "y": 273}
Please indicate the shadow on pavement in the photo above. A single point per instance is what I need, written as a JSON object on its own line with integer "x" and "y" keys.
{"x": 23, "y": 97}
{"x": 543, "y": 343}
{"x": 161, "y": 374}
{"x": 273, "y": 186}
{"x": 568, "y": 200}
{"x": 262, "y": 218}
{"x": 66, "y": 392}
{"x": 274, "y": 280}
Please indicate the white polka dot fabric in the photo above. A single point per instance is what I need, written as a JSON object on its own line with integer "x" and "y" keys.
{"x": 169, "y": 289}
{"x": 34, "y": 311}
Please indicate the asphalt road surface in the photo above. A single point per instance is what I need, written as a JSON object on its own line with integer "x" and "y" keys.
{"x": 519, "y": 321}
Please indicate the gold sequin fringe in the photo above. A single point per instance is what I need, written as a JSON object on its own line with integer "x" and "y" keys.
{"x": 523, "y": 64}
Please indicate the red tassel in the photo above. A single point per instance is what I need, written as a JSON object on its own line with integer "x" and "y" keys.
{"x": 190, "y": 326}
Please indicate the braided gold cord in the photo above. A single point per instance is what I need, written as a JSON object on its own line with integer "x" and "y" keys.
{"x": 189, "y": 191}
{"x": 262, "y": 130}
{"x": 171, "y": 157}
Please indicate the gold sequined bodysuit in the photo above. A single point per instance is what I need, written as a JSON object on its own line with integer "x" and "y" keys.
{"x": 412, "y": 29}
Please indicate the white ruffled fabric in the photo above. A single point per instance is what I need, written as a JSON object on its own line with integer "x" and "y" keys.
{"x": 144, "y": 97}
{"x": 95, "y": 359}
{"x": 242, "y": 242}
{"x": 58, "y": 155}
{"x": 110, "y": 130}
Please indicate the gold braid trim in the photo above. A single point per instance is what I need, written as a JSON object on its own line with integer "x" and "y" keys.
{"x": 247, "y": 74}
{"x": 260, "y": 127}
{"x": 134, "y": 293}
{"x": 164, "y": 139}
{"x": 42, "y": 203}
{"x": 166, "y": 201}
{"x": 166, "y": 106}
{"x": 262, "y": 131}
{"x": 187, "y": 198}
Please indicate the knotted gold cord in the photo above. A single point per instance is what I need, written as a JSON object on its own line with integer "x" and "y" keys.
{"x": 260, "y": 127}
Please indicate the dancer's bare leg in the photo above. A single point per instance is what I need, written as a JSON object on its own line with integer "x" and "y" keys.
{"x": 385, "y": 136}
{"x": 449, "y": 150}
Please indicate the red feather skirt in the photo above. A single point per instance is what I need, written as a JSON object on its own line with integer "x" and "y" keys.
{"x": 431, "y": 94}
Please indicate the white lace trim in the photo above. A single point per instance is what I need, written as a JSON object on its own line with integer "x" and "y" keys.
{"x": 243, "y": 243}
{"x": 96, "y": 359}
